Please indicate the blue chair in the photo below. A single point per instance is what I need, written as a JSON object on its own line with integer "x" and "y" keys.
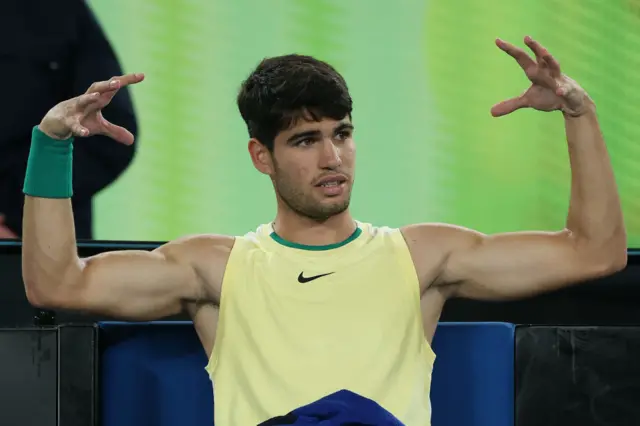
{"x": 152, "y": 374}
{"x": 473, "y": 377}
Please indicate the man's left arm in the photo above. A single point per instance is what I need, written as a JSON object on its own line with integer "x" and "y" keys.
{"x": 520, "y": 264}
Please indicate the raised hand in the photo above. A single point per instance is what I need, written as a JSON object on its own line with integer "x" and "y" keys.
{"x": 550, "y": 89}
{"x": 82, "y": 115}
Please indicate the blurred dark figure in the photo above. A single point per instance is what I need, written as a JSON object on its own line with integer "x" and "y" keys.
{"x": 51, "y": 51}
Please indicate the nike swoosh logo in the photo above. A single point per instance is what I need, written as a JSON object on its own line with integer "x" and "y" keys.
{"x": 302, "y": 279}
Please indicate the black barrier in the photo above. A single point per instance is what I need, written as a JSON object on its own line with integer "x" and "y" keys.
{"x": 48, "y": 376}
{"x": 577, "y": 376}
{"x": 28, "y": 376}
{"x": 78, "y": 378}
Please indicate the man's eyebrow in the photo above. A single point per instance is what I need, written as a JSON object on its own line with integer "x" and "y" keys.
{"x": 343, "y": 126}
{"x": 307, "y": 134}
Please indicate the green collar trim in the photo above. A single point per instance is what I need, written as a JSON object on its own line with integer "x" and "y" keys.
{"x": 286, "y": 243}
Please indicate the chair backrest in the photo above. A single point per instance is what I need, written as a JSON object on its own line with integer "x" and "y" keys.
{"x": 152, "y": 374}
{"x": 473, "y": 377}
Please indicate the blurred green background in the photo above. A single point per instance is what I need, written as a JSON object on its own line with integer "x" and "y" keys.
{"x": 423, "y": 75}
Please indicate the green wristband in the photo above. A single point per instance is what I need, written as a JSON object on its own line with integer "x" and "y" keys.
{"x": 50, "y": 167}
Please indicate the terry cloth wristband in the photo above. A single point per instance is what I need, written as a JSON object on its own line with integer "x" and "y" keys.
{"x": 50, "y": 167}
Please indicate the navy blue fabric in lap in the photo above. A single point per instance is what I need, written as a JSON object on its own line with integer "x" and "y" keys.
{"x": 342, "y": 408}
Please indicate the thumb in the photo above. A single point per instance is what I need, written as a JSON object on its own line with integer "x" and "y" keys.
{"x": 508, "y": 106}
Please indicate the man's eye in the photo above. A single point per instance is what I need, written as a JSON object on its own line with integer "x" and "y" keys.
{"x": 304, "y": 142}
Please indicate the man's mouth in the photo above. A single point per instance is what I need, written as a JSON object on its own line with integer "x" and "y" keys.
{"x": 331, "y": 181}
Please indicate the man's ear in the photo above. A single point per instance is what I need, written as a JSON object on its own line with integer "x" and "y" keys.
{"x": 261, "y": 157}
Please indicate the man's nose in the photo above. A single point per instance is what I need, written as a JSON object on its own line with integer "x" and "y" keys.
{"x": 330, "y": 155}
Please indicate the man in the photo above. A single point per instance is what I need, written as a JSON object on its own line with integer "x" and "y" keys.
{"x": 315, "y": 301}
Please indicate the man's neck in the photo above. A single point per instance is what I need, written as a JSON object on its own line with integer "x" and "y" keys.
{"x": 300, "y": 230}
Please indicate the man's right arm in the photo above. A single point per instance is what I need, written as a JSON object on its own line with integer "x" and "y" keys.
{"x": 137, "y": 285}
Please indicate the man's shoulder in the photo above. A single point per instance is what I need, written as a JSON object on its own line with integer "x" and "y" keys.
{"x": 192, "y": 247}
{"x": 204, "y": 240}
{"x": 206, "y": 254}
{"x": 432, "y": 243}
{"x": 438, "y": 240}
{"x": 436, "y": 233}
{"x": 213, "y": 243}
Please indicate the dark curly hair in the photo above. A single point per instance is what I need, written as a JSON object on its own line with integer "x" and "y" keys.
{"x": 283, "y": 89}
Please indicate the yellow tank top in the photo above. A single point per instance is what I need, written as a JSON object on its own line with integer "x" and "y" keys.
{"x": 298, "y": 323}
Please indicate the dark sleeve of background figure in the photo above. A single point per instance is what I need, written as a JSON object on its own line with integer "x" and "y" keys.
{"x": 99, "y": 160}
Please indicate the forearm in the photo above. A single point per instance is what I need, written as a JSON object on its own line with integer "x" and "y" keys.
{"x": 595, "y": 214}
{"x": 132, "y": 284}
{"x": 593, "y": 244}
{"x": 49, "y": 253}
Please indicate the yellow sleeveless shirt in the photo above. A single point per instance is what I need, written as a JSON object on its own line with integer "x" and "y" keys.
{"x": 298, "y": 323}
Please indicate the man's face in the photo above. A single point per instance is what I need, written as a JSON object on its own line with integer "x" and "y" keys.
{"x": 313, "y": 167}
